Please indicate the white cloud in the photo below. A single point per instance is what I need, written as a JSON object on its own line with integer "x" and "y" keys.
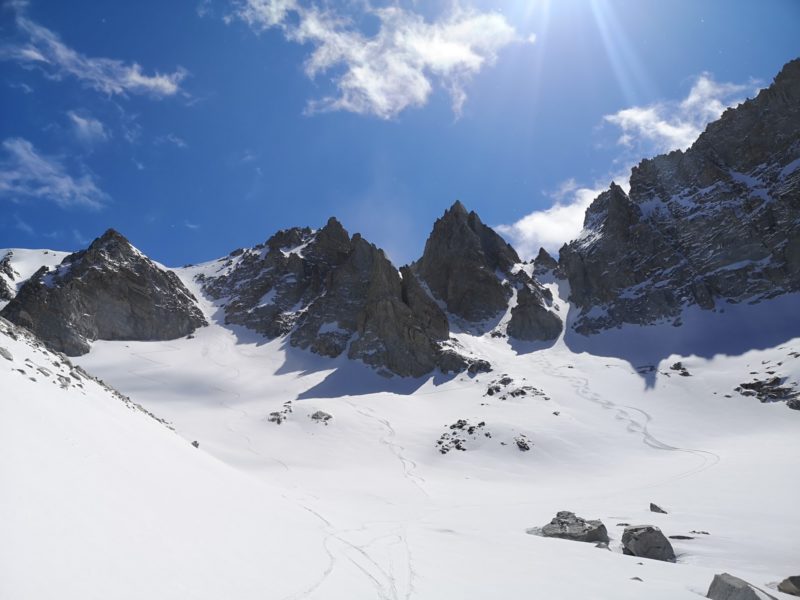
{"x": 398, "y": 66}
{"x": 26, "y": 174}
{"x": 666, "y": 126}
{"x": 87, "y": 129}
{"x": 44, "y": 49}
{"x": 190, "y": 225}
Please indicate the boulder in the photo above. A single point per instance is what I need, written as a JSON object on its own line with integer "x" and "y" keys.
{"x": 727, "y": 587}
{"x": 567, "y": 526}
{"x": 321, "y": 417}
{"x": 657, "y": 509}
{"x": 790, "y": 585}
{"x": 647, "y": 541}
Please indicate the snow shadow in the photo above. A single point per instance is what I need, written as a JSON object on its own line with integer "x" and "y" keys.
{"x": 731, "y": 330}
{"x": 347, "y": 377}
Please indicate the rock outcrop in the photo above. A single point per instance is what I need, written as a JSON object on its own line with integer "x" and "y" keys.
{"x": 7, "y": 276}
{"x": 790, "y": 585}
{"x": 544, "y": 264}
{"x": 566, "y": 525}
{"x": 475, "y": 273}
{"x": 647, "y": 541}
{"x": 332, "y": 294}
{"x": 110, "y": 291}
{"x": 728, "y": 587}
{"x": 715, "y": 224}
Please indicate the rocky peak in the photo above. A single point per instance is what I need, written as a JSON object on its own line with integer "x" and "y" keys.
{"x": 714, "y": 224}
{"x": 333, "y": 294}
{"x": 460, "y": 263}
{"x": 108, "y": 291}
{"x": 476, "y": 273}
{"x": 544, "y": 263}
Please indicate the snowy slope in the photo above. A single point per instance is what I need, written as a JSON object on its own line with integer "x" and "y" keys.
{"x": 100, "y": 500}
{"x": 25, "y": 263}
{"x": 403, "y": 520}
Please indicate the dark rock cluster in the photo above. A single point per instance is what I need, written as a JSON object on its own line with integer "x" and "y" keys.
{"x": 110, "y": 291}
{"x": 566, "y": 525}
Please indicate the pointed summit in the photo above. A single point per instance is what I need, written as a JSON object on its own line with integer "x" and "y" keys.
{"x": 109, "y": 291}
{"x": 457, "y": 210}
{"x": 459, "y": 265}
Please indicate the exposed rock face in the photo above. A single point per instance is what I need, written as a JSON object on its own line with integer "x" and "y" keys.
{"x": 567, "y": 526}
{"x": 7, "y": 276}
{"x": 544, "y": 263}
{"x": 728, "y": 587}
{"x": 110, "y": 291}
{"x": 333, "y": 294}
{"x": 461, "y": 263}
{"x": 716, "y": 223}
{"x": 647, "y": 541}
{"x": 531, "y": 319}
{"x": 790, "y": 585}
{"x": 474, "y": 272}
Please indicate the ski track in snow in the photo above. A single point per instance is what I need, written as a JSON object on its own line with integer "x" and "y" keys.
{"x": 707, "y": 458}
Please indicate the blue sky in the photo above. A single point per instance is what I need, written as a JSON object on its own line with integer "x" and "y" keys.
{"x": 199, "y": 126}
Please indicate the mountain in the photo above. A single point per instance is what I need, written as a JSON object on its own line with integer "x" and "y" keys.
{"x": 332, "y": 293}
{"x": 714, "y": 225}
{"x": 109, "y": 291}
{"x": 268, "y": 455}
{"x": 475, "y": 273}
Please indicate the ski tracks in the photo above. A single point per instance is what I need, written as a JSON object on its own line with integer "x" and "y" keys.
{"x": 580, "y": 384}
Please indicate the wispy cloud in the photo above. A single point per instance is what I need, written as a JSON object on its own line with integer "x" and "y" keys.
{"x": 192, "y": 226}
{"x": 44, "y": 49}
{"x": 87, "y": 129}
{"x": 171, "y": 138}
{"x": 26, "y": 174}
{"x": 79, "y": 238}
{"x": 23, "y": 225}
{"x": 397, "y": 67}
{"x": 675, "y": 125}
{"x": 22, "y": 87}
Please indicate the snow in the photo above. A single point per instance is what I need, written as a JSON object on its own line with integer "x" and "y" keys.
{"x": 26, "y": 262}
{"x": 367, "y": 507}
{"x": 790, "y": 168}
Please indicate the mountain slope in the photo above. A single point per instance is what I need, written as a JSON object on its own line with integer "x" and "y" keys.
{"x": 100, "y": 500}
{"x": 717, "y": 224}
{"x": 410, "y": 520}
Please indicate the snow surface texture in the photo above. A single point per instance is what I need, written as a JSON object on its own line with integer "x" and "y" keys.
{"x": 109, "y": 503}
